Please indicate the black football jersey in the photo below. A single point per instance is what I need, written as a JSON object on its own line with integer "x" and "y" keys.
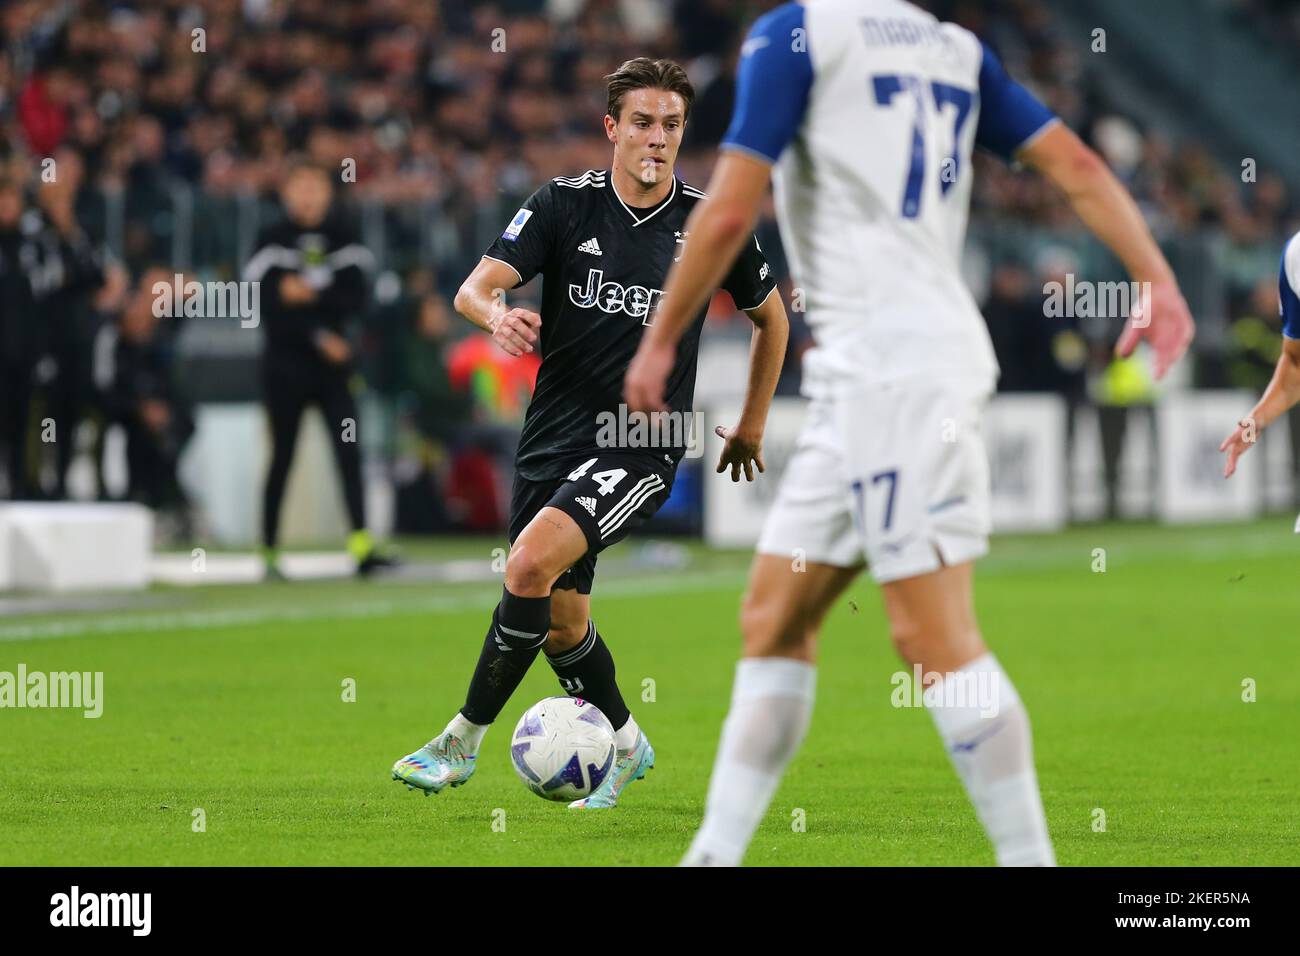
{"x": 603, "y": 265}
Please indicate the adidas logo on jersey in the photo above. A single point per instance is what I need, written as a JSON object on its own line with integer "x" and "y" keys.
{"x": 589, "y": 504}
{"x": 591, "y": 246}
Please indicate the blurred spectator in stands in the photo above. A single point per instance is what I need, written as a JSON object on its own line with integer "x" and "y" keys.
{"x": 43, "y": 108}
{"x": 499, "y": 388}
{"x": 71, "y": 274}
{"x": 1272, "y": 18}
{"x": 1014, "y": 313}
{"x": 1254, "y": 338}
{"x": 430, "y": 411}
{"x": 19, "y": 340}
{"x": 1038, "y": 351}
{"x": 500, "y": 385}
{"x": 439, "y": 407}
{"x": 1125, "y": 393}
{"x": 148, "y": 197}
{"x": 141, "y": 394}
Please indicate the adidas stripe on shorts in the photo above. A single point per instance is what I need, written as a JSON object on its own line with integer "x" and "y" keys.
{"x": 606, "y": 493}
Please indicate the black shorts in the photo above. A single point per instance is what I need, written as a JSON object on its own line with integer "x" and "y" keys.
{"x": 608, "y": 495}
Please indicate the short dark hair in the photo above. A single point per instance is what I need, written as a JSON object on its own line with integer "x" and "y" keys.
{"x": 644, "y": 73}
{"x": 302, "y": 163}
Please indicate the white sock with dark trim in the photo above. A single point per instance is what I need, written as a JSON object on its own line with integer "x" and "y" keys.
{"x": 985, "y": 729}
{"x": 771, "y": 705}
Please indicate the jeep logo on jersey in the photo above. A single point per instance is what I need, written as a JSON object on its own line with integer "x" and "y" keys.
{"x": 637, "y": 301}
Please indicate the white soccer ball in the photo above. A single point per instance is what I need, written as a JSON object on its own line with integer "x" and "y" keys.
{"x": 563, "y": 748}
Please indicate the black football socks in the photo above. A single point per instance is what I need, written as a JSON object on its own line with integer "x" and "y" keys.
{"x": 587, "y": 671}
{"x": 518, "y": 631}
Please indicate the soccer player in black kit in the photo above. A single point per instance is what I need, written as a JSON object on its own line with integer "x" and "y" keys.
{"x": 603, "y": 242}
{"x": 314, "y": 276}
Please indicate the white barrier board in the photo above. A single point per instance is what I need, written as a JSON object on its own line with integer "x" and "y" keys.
{"x": 71, "y": 546}
{"x": 1189, "y": 429}
{"x": 1025, "y": 439}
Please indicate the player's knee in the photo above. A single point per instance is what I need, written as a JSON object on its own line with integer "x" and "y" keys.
{"x": 526, "y": 574}
{"x": 908, "y": 638}
{"x": 770, "y": 629}
{"x": 752, "y": 624}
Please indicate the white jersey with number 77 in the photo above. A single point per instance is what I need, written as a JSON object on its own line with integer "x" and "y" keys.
{"x": 870, "y": 110}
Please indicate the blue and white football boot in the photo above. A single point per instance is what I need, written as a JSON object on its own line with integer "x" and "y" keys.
{"x": 441, "y": 762}
{"x": 628, "y": 767}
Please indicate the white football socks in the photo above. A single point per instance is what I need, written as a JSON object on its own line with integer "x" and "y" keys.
{"x": 467, "y": 731}
{"x": 625, "y": 737}
{"x": 771, "y": 705}
{"x": 985, "y": 730}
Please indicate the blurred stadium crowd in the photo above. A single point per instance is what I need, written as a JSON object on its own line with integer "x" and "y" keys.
{"x": 171, "y": 124}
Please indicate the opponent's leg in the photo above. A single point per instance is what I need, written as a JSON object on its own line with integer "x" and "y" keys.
{"x": 975, "y": 708}
{"x": 550, "y": 544}
{"x": 771, "y": 701}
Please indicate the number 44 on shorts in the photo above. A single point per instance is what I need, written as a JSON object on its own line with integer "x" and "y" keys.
{"x": 607, "y": 481}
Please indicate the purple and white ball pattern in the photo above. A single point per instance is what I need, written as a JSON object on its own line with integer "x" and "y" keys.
{"x": 563, "y": 748}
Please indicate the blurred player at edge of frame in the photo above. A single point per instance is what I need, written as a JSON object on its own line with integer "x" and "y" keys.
{"x": 869, "y": 110}
{"x": 1283, "y": 391}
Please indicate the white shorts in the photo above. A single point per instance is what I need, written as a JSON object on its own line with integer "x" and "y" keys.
{"x": 895, "y": 474}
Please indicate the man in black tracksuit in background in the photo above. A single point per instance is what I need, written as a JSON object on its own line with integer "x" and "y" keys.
{"x": 19, "y": 339}
{"x": 314, "y": 277}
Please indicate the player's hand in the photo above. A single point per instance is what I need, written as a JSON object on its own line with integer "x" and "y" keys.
{"x": 1238, "y": 443}
{"x": 155, "y": 413}
{"x": 516, "y": 331}
{"x": 295, "y": 291}
{"x": 647, "y": 377}
{"x": 333, "y": 346}
{"x": 1168, "y": 329}
{"x": 741, "y": 450}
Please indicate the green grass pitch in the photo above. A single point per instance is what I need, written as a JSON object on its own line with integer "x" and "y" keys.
{"x": 229, "y": 700}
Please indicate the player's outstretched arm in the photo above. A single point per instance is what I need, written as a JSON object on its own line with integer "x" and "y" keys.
{"x": 1282, "y": 394}
{"x": 718, "y": 227}
{"x": 743, "y": 448}
{"x": 482, "y": 299}
{"x": 1107, "y": 209}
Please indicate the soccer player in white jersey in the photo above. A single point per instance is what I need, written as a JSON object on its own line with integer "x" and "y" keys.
{"x": 869, "y": 110}
{"x": 1283, "y": 392}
